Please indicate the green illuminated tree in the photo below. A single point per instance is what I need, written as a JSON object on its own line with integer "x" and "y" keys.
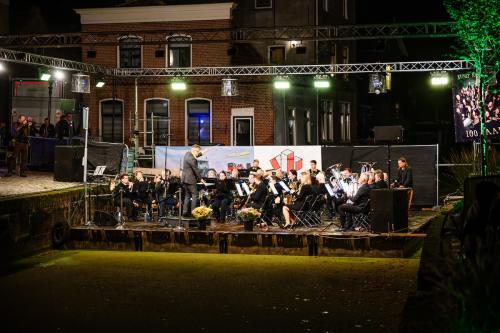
{"x": 477, "y": 26}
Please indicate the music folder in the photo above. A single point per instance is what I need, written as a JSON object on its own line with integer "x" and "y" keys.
{"x": 329, "y": 189}
{"x": 238, "y": 188}
{"x": 246, "y": 188}
{"x": 273, "y": 188}
{"x": 284, "y": 187}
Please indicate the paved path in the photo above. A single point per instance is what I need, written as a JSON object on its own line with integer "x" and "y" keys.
{"x": 95, "y": 291}
{"x": 36, "y": 182}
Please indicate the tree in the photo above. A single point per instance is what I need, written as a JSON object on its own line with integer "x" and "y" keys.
{"x": 477, "y": 26}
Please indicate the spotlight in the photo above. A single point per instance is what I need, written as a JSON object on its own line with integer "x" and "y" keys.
{"x": 59, "y": 75}
{"x": 281, "y": 83}
{"x": 178, "y": 84}
{"x": 377, "y": 84}
{"x": 2, "y": 67}
{"x": 439, "y": 78}
{"x": 45, "y": 76}
{"x": 321, "y": 81}
{"x": 99, "y": 83}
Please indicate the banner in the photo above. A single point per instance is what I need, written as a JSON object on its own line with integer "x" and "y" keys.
{"x": 287, "y": 158}
{"x": 466, "y": 109}
{"x": 220, "y": 158}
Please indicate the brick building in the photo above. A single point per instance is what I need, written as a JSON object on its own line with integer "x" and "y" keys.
{"x": 259, "y": 115}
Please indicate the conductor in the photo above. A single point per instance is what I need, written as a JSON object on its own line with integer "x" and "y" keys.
{"x": 190, "y": 177}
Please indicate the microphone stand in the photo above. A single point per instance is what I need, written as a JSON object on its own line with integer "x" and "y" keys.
{"x": 179, "y": 224}
{"x": 121, "y": 221}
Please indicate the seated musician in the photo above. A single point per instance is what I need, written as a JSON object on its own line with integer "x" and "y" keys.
{"x": 258, "y": 196}
{"x": 379, "y": 180}
{"x": 405, "y": 174}
{"x": 313, "y": 171}
{"x": 255, "y": 166}
{"x": 123, "y": 195}
{"x": 305, "y": 189}
{"x": 371, "y": 178}
{"x": 141, "y": 191}
{"x": 319, "y": 188}
{"x": 211, "y": 174}
{"x": 165, "y": 188}
{"x": 293, "y": 182}
{"x": 222, "y": 197}
{"x": 356, "y": 205}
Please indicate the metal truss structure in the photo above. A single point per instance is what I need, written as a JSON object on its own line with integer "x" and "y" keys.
{"x": 394, "y": 67}
{"x": 233, "y": 35}
{"x": 44, "y": 61}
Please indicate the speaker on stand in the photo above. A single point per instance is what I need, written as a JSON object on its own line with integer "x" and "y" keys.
{"x": 389, "y": 210}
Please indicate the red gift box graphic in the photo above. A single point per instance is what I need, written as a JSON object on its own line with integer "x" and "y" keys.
{"x": 286, "y": 161}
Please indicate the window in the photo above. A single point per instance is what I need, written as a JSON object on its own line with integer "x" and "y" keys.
{"x": 129, "y": 53}
{"x": 277, "y": 55}
{"x": 112, "y": 121}
{"x": 157, "y": 122}
{"x": 308, "y": 126}
{"x": 345, "y": 121}
{"x": 198, "y": 121}
{"x": 326, "y": 120}
{"x": 345, "y": 9}
{"x": 243, "y": 131}
{"x": 291, "y": 127}
{"x": 179, "y": 51}
{"x": 263, "y": 4}
{"x": 325, "y": 5}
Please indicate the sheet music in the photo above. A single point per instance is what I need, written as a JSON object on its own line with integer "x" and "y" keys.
{"x": 284, "y": 187}
{"x": 273, "y": 188}
{"x": 329, "y": 189}
{"x": 238, "y": 188}
{"x": 246, "y": 188}
{"x": 99, "y": 170}
{"x": 345, "y": 186}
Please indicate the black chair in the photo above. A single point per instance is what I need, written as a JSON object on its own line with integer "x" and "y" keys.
{"x": 363, "y": 221}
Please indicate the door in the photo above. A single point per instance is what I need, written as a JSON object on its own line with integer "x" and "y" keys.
{"x": 243, "y": 131}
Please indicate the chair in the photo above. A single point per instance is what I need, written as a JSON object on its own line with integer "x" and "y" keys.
{"x": 312, "y": 216}
{"x": 410, "y": 197}
{"x": 301, "y": 214}
{"x": 363, "y": 220}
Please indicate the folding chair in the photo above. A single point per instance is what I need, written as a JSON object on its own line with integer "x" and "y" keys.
{"x": 301, "y": 214}
{"x": 363, "y": 221}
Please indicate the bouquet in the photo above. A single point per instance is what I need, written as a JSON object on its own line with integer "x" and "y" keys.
{"x": 201, "y": 212}
{"x": 249, "y": 214}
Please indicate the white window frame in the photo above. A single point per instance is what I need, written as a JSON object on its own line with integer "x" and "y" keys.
{"x": 123, "y": 116}
{"x": 167, "y": 50}
{"x": 267, "y": 7}
{"x": 345, "y": 9}
{"x": 118, "y": 49}
{"x": 242, "y": 113}
{"x": 146, "y": 116}
{"x": 294, "y": 143}
{"x": 326, "y": 6}
{"x": 186, "y": 117}
{"x": 269, "y": 52}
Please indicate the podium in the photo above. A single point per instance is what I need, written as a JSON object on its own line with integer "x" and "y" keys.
{"x": 389, "y": 210}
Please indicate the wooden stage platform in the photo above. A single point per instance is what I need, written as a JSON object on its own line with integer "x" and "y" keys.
{"x": 232, "y": 238}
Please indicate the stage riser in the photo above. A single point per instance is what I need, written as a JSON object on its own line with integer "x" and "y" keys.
{"x": 196, "y": 241}
{"x": 26, "y": 222}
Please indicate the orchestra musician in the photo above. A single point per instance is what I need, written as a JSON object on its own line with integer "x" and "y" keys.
{"x": 258, "y": 196}
{"x": 165, "y": 187}
{"x": 319, "y": 188}
{"x": 123, "y": 191}
{"x": 190, "y": 177}
{"x": 222, "y": 197}
{"x": 255, "y": 166}
{"x": 379, "y": 180}
{"x": 405, "y": 174}
{"x": 313, "y": 171}
{"x": 293, "y": 183}
{"x": 305, "y": 189}
{"x": 140, "y": 190}
{"x": 356, "y": 205}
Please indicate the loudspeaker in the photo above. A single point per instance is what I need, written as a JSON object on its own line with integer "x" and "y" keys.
{"x": 388, "y": 133}
{"x": 68, "y": 163}
{"x": 104, "y": 219}
{"x": 389, "y": 210}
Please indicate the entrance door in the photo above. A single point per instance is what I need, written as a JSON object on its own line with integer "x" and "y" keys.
{"x": 243, "y": 131}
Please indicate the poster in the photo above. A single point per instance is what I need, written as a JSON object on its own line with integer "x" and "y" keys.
{"x": 466, "y": 109}
{"x": 287, "y": 158}
{"x": 219, "y": 158}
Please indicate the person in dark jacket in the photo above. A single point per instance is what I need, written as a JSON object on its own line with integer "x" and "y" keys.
{"x": 305, "y": 190}
{"x": 379, "y": 180}
{"x": 258, "y": 197}
{"x": 405, "y": 174}
{"x": 122, "y": 195}
{"x": 21, "y": 145}
{"x": 222, "y": 196}
{"x": 358, "y": 203}
{"x": 47, "y": 130}
{"x": 190, "y": 177}
{"x": 62, "y": 128}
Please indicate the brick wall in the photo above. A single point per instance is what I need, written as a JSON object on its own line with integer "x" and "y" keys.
{"x": 256, "y": 93}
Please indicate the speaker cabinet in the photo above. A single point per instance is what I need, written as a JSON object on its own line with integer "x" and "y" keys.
{"x": 68, "y": 164}
{"x": 389, "y": 210}
{"x": 388, "y": 133}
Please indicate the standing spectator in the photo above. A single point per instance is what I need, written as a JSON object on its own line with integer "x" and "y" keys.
{"x": 62, "y": 128}
{"x": 71, "y": 125}
{"x": 47, "y": 130}
{"x": 21, "y": 138}
{"x": 31, "y": 125}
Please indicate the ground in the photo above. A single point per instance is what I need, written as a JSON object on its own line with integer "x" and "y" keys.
{"x": 36, "y": 182}
{"x": 97, "y": 291}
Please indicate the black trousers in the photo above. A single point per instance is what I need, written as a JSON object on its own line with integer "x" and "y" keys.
{"x": 190, "y": 198}
{"x": 128, "y": 205}
{"x": 221, "y": 205}
{"x": 346, "y": 212}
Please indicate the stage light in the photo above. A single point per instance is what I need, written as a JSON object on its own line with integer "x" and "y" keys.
{"x": 321, "y": 81}
{"x": 59, "y": 75}
{"x": 2, "y": 67}
{"x": 281, "y": 83}
{"x": 45, "y": 76}
{"x": 377, "y": 84}
{"x": 439, "y": 78}
{"x": 99, "y": 83}
{"x": 178, "y": 85}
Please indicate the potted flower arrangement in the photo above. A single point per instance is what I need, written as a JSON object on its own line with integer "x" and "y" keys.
{"x": 202, "y": 214}
{"x": 248, "y": 216}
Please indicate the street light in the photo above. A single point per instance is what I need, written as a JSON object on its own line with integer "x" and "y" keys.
{"x": 178, "y": 84}
{"x": 439, "y": 78}
{"x": 321, "y": 81}
{"x": 59, "y": 75}
{"x": 281, "y": 83}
